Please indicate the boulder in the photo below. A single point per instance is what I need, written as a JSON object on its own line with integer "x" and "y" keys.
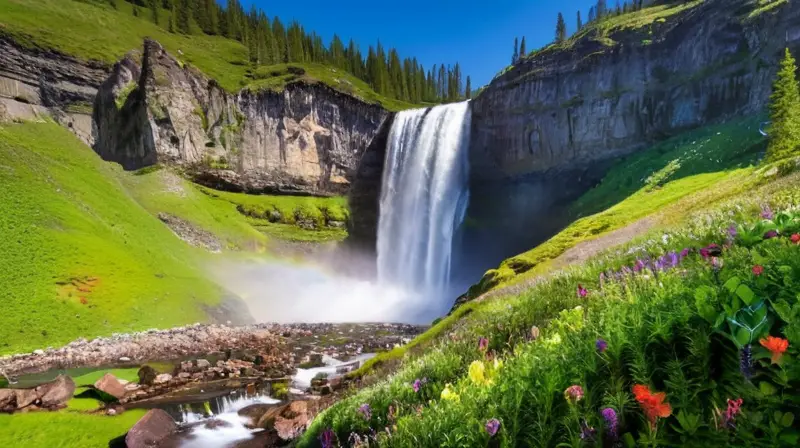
{"x": 147, "y": 375}
{"x": 293, "y": 420}
{"x": 8, "y": 400}
{"x": 203, "y": 364}
{"x": 267, "y": 421}
{"x": 254, "y": 412}
{"x": 26, "y": 397}
{"x": 57, "y": 392}
{"x": 163, "y": 378}
{"x": 150, "y": 430}
{"x": 110, "y": 385}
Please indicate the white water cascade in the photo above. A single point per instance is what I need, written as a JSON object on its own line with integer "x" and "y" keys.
{"x": 424, "y": 197}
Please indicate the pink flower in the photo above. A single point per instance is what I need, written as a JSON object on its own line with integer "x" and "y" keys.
{"x": 573, "y": 394}
{"x": 734, "y": 408}
{"x": 758, "y": 270}
{"x": 582, "y": 292}
{"x": 492, "y": 426}
{"x": 483, "y": 344}
{"x": 795, "y": 238}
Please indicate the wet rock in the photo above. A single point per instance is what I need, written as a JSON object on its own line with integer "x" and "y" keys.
{"x": 254, "y": 413}
{"x": 147, "y": 375}
{"x": 57, "y": 392}
{"x": 293, "y": 420}
{"x": 267, "y": 421}
{"x": 162, "y": 378}
{"x": 216, "y": 423}
{"x": 110, "y": 385}
{"x": 150, "y": 430}
{"x": 203, "y": 364}
{"x": 184, "y": 375}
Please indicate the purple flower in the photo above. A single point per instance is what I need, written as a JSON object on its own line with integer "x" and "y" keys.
{"x": 640, "y": 264}
{"x": 610, "y": 416}
{"x": 685, "y": 252}
{"x": 712, "y": 250}
{"x": 601, "y": 345}
{"x": 732, "y": 232}
{"x": 602, "y": 279}
{"x": 746, "y": 361}
{"x": 492, "y": 426}
{"x": 326, "y": 438}
{"x": 483, "y": 344}
{"x": 771, "y": 234}
{"x": 766, "y": 212}
{"x": 582, "y": 292}
{"x": 587, "y": 432}
{"x": 416, "y": 385}
{"x": 365, "y": 411}
{"x": 626, "y": 270}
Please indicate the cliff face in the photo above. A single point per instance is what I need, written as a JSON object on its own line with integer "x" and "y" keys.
{"x": 544, "y": 131}
{"x": 307, "y": 139}
{"x": 35, "y": 82}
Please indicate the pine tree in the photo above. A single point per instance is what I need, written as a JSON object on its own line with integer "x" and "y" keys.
{"x": 135, "y": 10}
{"x": 580, "y": 21}
{"x": 592, "y": 14}
{"x": 601, "y": 9}
{"x": 561, "y": 29}
{"x": 154, "y": 11}
{"x": 515, "y": 56}
{"x": 184, "y": 17}
{"x": 280, "y": 40}
{"x": 784, "y": 133}
{"x": 468, "y": 90}
{"x": 212, "y": 25}
{"x": 522, "y": 50}
{"x": 173, "y": 20}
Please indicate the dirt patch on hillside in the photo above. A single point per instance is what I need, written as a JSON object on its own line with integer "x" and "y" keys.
{"x": 187, "y": 232}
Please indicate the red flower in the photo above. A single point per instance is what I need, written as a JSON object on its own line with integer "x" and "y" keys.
{"x": 582, "y": 292}
{"x": 758, "y": 269}
{"x": 775, "y": 345}
{"x": 652, "y": 403}
{"x": 795, "y": 238}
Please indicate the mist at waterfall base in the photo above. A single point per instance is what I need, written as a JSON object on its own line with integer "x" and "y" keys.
{"x": 423, "y": 200}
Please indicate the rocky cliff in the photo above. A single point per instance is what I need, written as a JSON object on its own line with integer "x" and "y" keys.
{"x": 36, "y": 82}
{"x": 307, "y": 139}
{"x": 543, "y": 131}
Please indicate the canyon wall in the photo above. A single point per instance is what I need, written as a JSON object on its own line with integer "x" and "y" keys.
{"x": 307, "y": 139}
{"x": 546, "y": 129}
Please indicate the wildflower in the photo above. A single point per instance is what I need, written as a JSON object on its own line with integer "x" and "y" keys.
{"x": 771, "y": 234}
{"x": 746, "y": 361}
{"x": 326, "y": 438}
{"x": 795, "y": 238}
{"x": 685, "y": 252}
{"x": 777, "y": 346}
{"x": 365, "y": 411}
{"x": 483, "y": 344}
{"x": 766, "y": 212}
{"x": 758, "y": 269}
{"x": 582, "y": 292}
{"x": 652, "y": 403}
{"x": 477, "y": 372}
{"x": 448, "y": 394}
{"x": 492, "y": 426}
{"x": 587, "y": 432}
{"x": 601, "y": 345}
{"x": 602, "y": 279}
{"x": 534, "y": 333}
{"x": 573, "y": 394}
{"x": 610, "y": 416}
{"x": 716, "y": 263}
{"x": 734, "y": 408}
{"x": 639, "y": 265}
{"x": 391, "y": 414}
{"x": 732, "y": 232}
{"x": 673, "y": 259}
{"x": 712, "y": 250}
{"x": 416, "y": 385}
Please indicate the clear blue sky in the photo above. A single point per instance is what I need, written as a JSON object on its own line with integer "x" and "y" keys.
{"x": 477, "y": 34}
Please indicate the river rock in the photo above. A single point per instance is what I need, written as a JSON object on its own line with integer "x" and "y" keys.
{"x": 147, "y": 375}
{"x": 267, "y": 421}
{"x": 150, "y": 430}
{"x": 26, "y": 397}
{"x": 162, "y": 378}
{"x": 110, "y": 385}
{"x": 293, "y": 420}
{"x": 8, "y": 400}
{"x": 57, "y": 392}
{"x": 254, "y": 412}
{"x": 203, "y": 364}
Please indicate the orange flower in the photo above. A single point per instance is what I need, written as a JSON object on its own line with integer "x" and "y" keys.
{"x": 652, "y": 403}
{"x": 775, "y": 345}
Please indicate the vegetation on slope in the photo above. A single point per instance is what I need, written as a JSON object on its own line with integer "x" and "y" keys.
{"x": 666, "y": 178}
{"x": 71, "y": 428}
{"x": 80, "y": 256}
{"x": 233, "y": 50}
{"x": 584, "y": 356}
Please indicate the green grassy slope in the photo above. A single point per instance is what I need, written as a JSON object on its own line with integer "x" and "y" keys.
{"x": 80, "y": 257}
{"x": 64, "y": 429}
{"x": 669, "y": 179}
{"x": 92, "y": 30}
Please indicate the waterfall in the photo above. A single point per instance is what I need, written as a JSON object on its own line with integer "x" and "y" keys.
{"x": 424, "y": 197}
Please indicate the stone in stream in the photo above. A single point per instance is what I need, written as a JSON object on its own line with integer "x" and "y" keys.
{"x": 110, "y": 385}
{"x": 57, "y": 392}
{"x": 150, "y": 430}
{"x": 255, "y": 412}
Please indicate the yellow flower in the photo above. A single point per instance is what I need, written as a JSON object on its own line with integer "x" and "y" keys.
{"x": 448, "y": 394}
{"x": 477, "y": 372}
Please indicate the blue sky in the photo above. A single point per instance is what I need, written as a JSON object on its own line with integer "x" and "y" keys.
{"x": 477, "y": 34}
